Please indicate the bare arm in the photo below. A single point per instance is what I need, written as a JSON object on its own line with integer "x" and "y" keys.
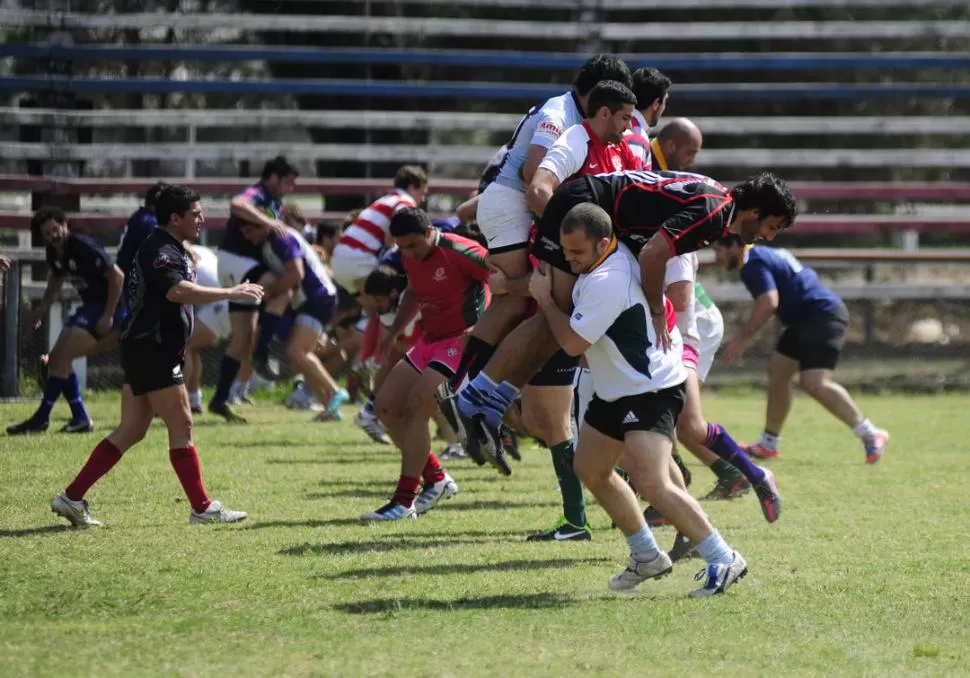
{"x": 468, "y": 210}
{"x": 544, "y": 183}
{"x": 765, "y": 306}
{"x": 292, "y": 276}
{"x": 405, "y": 314}
{"x": 517, "y": 287}
{"x": 532, "y": 160}
{"x": 187, "y": 292}
{"x": 54, "y": 285}
{"x": 241, "y": 208}
{"x": 116, "y": 281}
{"x": 540, "y": 286}
{"x": 653, "y": 266}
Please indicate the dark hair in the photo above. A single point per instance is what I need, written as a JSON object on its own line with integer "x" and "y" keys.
{"x": 279, "y": 166}
{"x": 591, "y": 218}
{"x": 409, "y": 221}
{"x": 351, "y": 216}
{"x": 45, "y": 214}
{"x": 611, "y": 94}
{"x": 410, "y": 175}
{"x": 151, "y": 196}
{"x": 325, "y": 230}
{"x": 649, "y": 84}
{"x": 471, "y": 231}
{"x": 599, "y": 68}
{"x": 767, "y": 194}
{"x": 729, "y": 240}
{"x": 174, "y": 199}
{"x": 383, "y": 280}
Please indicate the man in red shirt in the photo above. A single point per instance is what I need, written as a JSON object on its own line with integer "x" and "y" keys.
{"x": 447, "y": 277}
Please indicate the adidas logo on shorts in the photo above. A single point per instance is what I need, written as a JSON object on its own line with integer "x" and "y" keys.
{"x": 630, "y": 418}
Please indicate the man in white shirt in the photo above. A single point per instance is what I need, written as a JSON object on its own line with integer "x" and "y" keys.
{"x": 640, "y": 391}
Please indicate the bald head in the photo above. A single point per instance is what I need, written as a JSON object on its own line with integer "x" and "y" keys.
{"x": 681, "y": 141}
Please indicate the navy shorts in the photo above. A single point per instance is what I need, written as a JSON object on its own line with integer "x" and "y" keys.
{"x": 314, "y": 313}
{"x": 559, "y": 370}
{"x": 87, "y": 316}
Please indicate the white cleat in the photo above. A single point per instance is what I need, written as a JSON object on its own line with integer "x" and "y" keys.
{"x": 391, "y": 511}
{"x": 638, "y": 571}
{"x": 432, "y": 494}
{"x": 216, "y": 513}
{"x": 76, "y": 512}
{"x": 371, "y": 425}
{"x": 719, "y": 577}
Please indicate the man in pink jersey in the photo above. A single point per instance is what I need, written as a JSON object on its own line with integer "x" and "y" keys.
{"x": 447, "y": 277}
{"x": 358, "y": 249}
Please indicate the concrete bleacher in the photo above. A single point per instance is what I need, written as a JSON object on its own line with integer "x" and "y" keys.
{"x": 803, "y": 84}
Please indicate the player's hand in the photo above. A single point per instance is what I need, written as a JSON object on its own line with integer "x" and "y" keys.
{"x": 497, "y": 281}
{"x": 246, "y": 292}
{"x": 734, "y": 351}
{"x": 660, "y": 329}
{"x": 37, "y": 317}
{"x": 540, "y": 285}
{"x": 104, "y": 325}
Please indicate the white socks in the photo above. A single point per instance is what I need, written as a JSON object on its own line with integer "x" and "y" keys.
{"x": 864, "y": 429}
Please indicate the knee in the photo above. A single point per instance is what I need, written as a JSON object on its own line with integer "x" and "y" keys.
{"x": 592, "y": 474}
{"x": 59, "y": 361}
{"x": 814, "y": 385}
{"x": 692, "y": 430}
{"x": 385, "y": 407}
{"x": 296, "y": 354}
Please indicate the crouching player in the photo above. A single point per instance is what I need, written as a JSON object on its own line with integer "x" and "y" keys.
{"x": 161, "y": 289}
{"x": 639, "y": 392}
{"x": 298, "y": 267}
{"x": 446, "y": 283}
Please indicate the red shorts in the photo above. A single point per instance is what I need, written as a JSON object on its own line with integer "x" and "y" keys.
{"x": 442, "y": 356}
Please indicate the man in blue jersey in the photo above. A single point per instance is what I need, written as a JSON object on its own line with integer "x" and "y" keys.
{"x": 813, "y": 321}
{"x": 82, "y": 261}
{"x": 139, "y": 226}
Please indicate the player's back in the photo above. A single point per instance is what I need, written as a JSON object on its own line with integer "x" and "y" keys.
{"x": 542, "y": 125}
{"x": 139, "y": 226}
{"x": 369, "y": 231}
{"x": 640, "y": 201}
{"x": 84, "y": 263}
{"x": 259, "y": 197}
{"x": 316, "y": 281}
{"x": 449, "y": 285}
{"x": 800, "y": 292}
{"x": 638, "y": 139}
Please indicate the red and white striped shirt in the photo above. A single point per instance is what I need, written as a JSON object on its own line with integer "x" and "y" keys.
{"x": 369, "y": 231}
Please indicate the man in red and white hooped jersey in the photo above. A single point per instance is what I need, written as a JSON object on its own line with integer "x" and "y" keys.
{"x": 595, "y": 146}
{"x": 358, "y": 250}
{"x": 650, "y": 87}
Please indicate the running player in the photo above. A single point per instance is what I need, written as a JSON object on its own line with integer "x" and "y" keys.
{"x": 81, "y": 260}
{"x": 503, "y": 213}
{"x": 297, "y": 268}
{"x": 650, "y": 87}
{"x": 358, "y": 250}
{"x": 813, "y": 321}
{"x": 656, "y": 215}
{"x": 446, "y": 283}
{"x": 261, "y": 203}
{"x": 639, "y": 393}
{"x": 211, "y": 323}
{"x": 161, "y": 289}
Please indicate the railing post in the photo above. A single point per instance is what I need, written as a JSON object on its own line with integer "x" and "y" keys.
{"x": 869, "y": 330}
{"x": 11, "y": 331}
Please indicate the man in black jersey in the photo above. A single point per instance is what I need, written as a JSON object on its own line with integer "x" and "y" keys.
{"x": 162, "y": 291}
{"x": 82, "y": 261}
{"x": 241, "y": 261}
{"x": 655, "y": 214}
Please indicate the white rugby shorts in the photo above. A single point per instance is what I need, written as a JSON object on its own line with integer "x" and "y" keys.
{"x": 504, "y": 218}
{"x": 349, "y": 264}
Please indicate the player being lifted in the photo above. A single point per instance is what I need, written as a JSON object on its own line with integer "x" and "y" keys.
{"x": 162, "y": 290}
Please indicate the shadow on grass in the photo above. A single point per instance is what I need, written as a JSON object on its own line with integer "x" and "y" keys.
{"x": 32, "y": 531}
{"x": 360, "y": 492}
{"x": 333, "y": 522}
{"x": 391, "y": 543}
{"x": 536, "y": 601}
{"x": 463, "y": 568}
{"x": 491, "y": 505}
{"x": 327, "y": 460}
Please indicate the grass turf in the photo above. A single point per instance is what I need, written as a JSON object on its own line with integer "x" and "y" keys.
{"x": 866, "y": 573}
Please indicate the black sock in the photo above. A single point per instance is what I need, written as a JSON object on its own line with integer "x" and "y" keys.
{"x": 473, "y": 360}
{"x": 724, "y": 470}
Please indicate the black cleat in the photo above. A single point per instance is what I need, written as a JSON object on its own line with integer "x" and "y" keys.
{"x": 78, "y": 426}
{"x": 682, "y": 549}
{"x": 654, "y": 518}
{"x": 492, "y": 445}
{"x": 728, "y": 488}
{"x": 267, "y": 368}
{"x": 224, "y": 411}
{"x": 510, "y": 442}
{"x": 26, "y": 427}
{"x": 563, "y": 531}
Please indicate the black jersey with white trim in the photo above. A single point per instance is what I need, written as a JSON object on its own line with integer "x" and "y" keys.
{"x": 690, "y": 210}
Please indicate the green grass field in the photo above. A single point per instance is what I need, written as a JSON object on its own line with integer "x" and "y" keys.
{"x": 866, "y": 573}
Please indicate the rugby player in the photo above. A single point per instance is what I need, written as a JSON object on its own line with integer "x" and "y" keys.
{"x": 239, "y": 261}
{"x": 639, "y": 391}
{"x": 358, "y": 251}
{"x": 503, "y": 212}
{"x": 140, "y": 225}
{"x": 650, "y": 87}
{"x": 298, "y": 269}
{"x": 446, "y": 283}
{"x": 161, "y": 288}
{"x": 82, "y": 261}
{"x": 813, "y": 321}
{"x": 657, "y": 215}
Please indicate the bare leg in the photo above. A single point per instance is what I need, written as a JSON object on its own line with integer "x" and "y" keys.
{"x": 781, "y": 370}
